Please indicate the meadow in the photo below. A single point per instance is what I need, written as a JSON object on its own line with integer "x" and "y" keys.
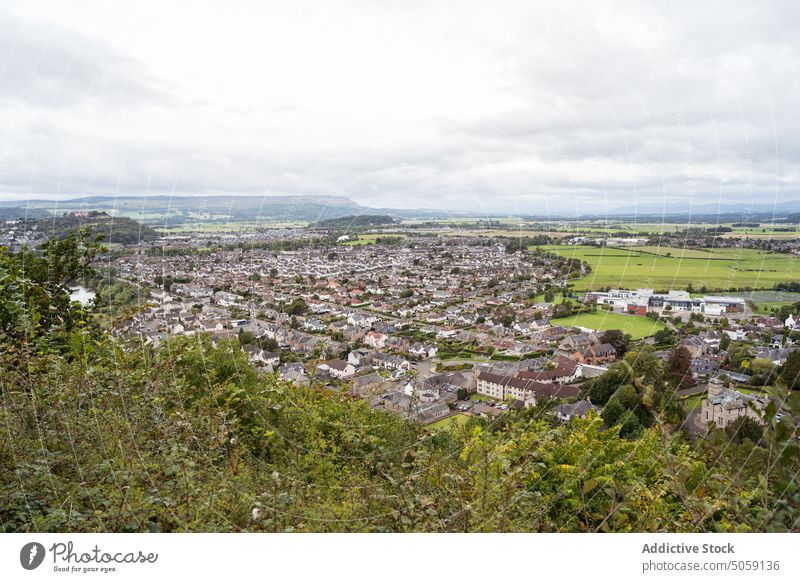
{"x": 637, "y": 326}
{"x": 664, "y": 268}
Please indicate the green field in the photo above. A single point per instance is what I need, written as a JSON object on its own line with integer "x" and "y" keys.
{"x": 650, "y": 267}
{"x": 764, "y": 230}
{"x": 232, "y": 227}
{"x": 637, "y": 326}
{"x": 369, "y": 239}
{"x": 449, "y": 422}
{"x": 681, "y": 253}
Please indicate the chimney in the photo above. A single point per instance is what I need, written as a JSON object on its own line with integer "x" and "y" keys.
{"x": 714, "y": 388}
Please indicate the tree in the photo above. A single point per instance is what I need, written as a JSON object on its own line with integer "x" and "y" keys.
{"x": 600, "y": 389}
{"x": 645, "y": 364}
{"x": 790, "y": 371}
{"x": 679, "y": 367}
{"x": 34, "y": 288}
{"x": 744, "y": 428}
{"x": 246, "y": 337}
{"x": 549, "y": 295}
{"x": 663, "y": 337}
{"x": 618, "y": 339}
{"x": 297, "y": 307}
{"x": 562, "y": 310}
{"x": 269, "y": 344}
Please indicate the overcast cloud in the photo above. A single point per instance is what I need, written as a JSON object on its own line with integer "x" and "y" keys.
{"x": 498, "y": 106}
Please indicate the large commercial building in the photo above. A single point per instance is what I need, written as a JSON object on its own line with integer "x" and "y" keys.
{"x": 639, "y": 301}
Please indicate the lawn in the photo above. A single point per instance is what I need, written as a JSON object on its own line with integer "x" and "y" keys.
{"x": 449, "y": 422}
{"x": 483, "y": 397}
{"x": 716, "y": 269}
{"x": 692, "y": 402}
{"x": 635, "y": 325}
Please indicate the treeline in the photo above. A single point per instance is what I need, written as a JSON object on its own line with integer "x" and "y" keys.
{"x": 359, "y": 221}
{"x": 22, "y": 213}
{"x": 522, "y": 243}
{"x": 119, "y": 229}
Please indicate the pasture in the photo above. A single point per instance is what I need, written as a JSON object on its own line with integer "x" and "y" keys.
{"x": 663, "y": 268}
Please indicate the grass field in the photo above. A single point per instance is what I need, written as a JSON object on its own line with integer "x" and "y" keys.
{"x": 764, "y": 230}
{"x": 650, "y": 267}
{"x": 369, "y": 239}
{"x": 233, "y": 227}
{"x": 637, "y": 326}
{"x": 680, "y": 253}
{"x": 450, "y": 421}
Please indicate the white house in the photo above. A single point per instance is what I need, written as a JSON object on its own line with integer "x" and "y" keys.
{"x": 339, "y": 369}
{"x": 376, "y": 339}
{"x": 421, "y": 351}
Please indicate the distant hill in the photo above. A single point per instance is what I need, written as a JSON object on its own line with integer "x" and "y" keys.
{"x": 728, "y": 210}
{"x": 118, "y": 229}
{"x": 793, "y": 218}
{"x": 164, "y": 211}
{"x": 362, "y": 220}
{"x": 17, "y": 212}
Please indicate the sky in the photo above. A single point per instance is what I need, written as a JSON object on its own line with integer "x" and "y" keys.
{"x": 519, "y": 107}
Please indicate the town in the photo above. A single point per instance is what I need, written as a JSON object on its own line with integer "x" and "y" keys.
{"x": 439, "y": 329}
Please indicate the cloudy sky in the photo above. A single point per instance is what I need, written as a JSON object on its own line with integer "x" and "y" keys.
{"x": 498, "y": 106}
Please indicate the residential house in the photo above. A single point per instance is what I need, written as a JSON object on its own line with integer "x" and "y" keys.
{"x": 596, "y": 355}
{"x": 338, "y": 368}
{"x": 722, "y": 406}
{"x": 579, "y": 409}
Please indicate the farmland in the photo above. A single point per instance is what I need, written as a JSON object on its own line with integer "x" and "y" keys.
{"x": 664, "y": 268}
{"x": 637, "y": 326}
{"x": 763, "y": 231}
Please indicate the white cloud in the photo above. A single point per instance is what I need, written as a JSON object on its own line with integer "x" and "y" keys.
{"x": 506, "y": 106}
